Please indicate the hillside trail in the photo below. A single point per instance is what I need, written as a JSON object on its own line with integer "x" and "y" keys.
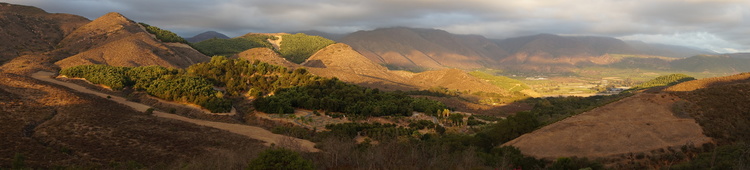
{"x": 276, "y": 43}
{"x": 253, "y": 132}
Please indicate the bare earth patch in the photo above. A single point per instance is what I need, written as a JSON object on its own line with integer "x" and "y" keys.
{"x": 640, "y": 123}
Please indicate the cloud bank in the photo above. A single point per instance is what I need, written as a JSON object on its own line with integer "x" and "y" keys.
{"x": 719, "y": 25}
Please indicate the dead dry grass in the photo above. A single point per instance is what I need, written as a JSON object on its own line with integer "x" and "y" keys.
{"x": 640, "y": 123}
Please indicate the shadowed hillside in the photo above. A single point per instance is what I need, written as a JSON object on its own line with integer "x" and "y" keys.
{"x": 720, "y": 105}
{"x": 26, "y": 30}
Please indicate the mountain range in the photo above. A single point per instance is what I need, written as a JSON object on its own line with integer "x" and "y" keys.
{"x": 46, "y": 125}
{"x": 419, "y": 49}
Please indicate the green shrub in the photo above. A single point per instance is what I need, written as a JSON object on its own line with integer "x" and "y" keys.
{"x": 111, "y": 76}
{"x": 164, "y": 35}
{"x": 298, "y": 47}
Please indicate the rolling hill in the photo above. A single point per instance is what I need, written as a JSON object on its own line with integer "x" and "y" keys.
{"x": 115, "y": 40}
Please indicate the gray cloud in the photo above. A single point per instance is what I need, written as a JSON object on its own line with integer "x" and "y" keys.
{"x": 721, "y": 25}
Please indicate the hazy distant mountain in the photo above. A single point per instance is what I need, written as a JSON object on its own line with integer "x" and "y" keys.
{"x": 739, "y": 55}
{"x": 666, "y": 50}
{"x": 330, "y": 36}
{"x": 205, "y": 36}
{"x": 554, "y": 53}
{"x": 713, "y": 64}
{"x": 411, "y": 48}
{"x": 560, "y": 46}
{"x": 420, "y": 49}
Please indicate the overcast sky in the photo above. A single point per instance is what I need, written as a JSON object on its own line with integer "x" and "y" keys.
{"x": 719, "y": 25}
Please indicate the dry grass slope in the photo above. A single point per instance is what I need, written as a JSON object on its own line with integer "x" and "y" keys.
{"x": 640, "y": 123}
{"x": 115, "y": 40}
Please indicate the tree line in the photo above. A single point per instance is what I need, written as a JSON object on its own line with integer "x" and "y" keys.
{"x": 333, "y": 95}
{"x": 164, "y": 35}
{"x": 169, "y": 84}
{"x": 667, "y": 80}
{"x": 291, "y": 88}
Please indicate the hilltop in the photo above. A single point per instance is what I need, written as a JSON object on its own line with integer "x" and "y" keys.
{"x": 115, "y": 40}
{"x": 205, "y": 36}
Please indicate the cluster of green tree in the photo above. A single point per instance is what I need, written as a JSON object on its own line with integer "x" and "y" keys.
{"x": 229, "y": 47}
{"x": 667, "y": 80}
{"x": 351, "y": 130}
{"x": 553, "y": 109}
{"x": 435, "y": 91}
{"x": 191, "y": 89}
{"x": 111, "y": 76}
{"x": 422, "y": 124}
{"x": 280, "y": 159}
{"x": 565, "y": 163}
{"x": 256, "y": 78}
{"x": 487, "y": 118}
{"x": 164, "y": 35}
{"x": 298, "y": 47}
{"x": 169, "y": 84}
{"x": 492, "y": 98}
{"x": 473, "y": 121}
{"x": 506, "y": 130}
{"x": 734, "y": 156}
{"x": 333, "y": 95}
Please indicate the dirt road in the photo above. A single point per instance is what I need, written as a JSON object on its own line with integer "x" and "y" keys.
{"x": 245, "y": 130}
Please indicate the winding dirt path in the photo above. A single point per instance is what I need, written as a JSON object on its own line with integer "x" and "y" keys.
{"x": 245, "y": 130}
